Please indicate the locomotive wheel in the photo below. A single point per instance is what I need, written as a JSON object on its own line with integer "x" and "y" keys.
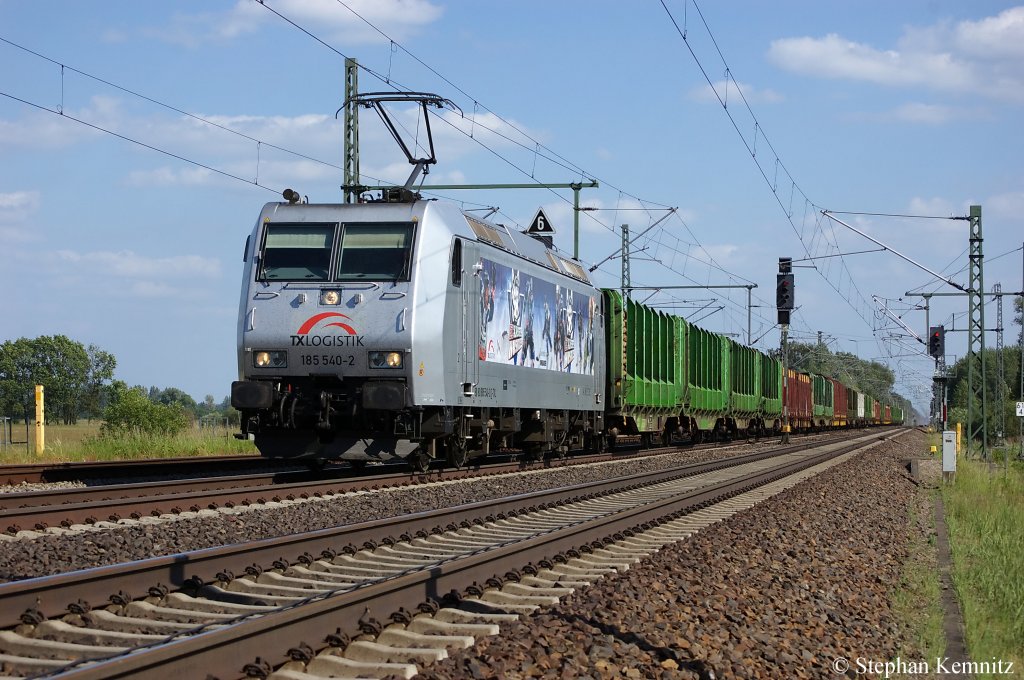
{"x": 456, "y": 451}
{"x": 419, "y": 460}
{"x": 558, "y": 453}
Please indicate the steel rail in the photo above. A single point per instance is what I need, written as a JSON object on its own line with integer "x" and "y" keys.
{"x": 74, "y": 471}
{"x": 37, "y": 510}
{"x": 223, "y": 652}
{"x": 389, "y": 473}
{"x": 52, "y": 594}
{"x": 89, "y": 470}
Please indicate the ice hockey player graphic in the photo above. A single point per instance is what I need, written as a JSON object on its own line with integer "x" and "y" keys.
{"x": 546, "y": 335}
{"x": 515, "y": 318}
{"x": 487, "y": 283}
{"x": 529, "y": 357}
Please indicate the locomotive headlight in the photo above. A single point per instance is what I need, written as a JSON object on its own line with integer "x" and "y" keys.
{"x": 330, "y": 297}
{"x": 385, "y": 359}
{"x": 271, "y": 359}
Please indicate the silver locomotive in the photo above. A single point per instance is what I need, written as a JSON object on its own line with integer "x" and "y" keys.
{"x": 408, "y": 328}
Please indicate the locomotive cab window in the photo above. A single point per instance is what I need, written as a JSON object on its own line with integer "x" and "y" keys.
{"x": 297, "y": 252}
{"x": 375, "y": 252}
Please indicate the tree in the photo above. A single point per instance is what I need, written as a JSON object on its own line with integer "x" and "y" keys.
{"x": 997, "y": 397}
{"x": 101, "y": 372}
{"x": 869, "y": 377}
{"x": 172, "y": 396}
{"x": 16, "y": 377}
{"x": 64, "y": 367}
{"x": 130, "y": 412}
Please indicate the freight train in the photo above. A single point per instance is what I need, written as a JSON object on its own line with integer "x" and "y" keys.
{"x": 408, "y": 328}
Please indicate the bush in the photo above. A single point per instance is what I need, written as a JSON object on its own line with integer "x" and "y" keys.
{"x": 131, "y": 413}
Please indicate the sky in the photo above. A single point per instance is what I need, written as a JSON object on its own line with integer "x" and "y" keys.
{"x": 140, "y": 140}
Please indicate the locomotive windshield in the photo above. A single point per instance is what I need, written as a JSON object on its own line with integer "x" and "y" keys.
{"x": 375, "y": 252}
{"x": 367, "y": 252}
{"x": 297, "y": 252}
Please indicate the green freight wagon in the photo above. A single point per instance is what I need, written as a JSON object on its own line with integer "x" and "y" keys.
{"x": 896, "y": 415}
{"x": 821, "y": 396}
{"x": 852, "y": 397}
{"x": 770, "y": 407}
{"x": 744, "y": 389}
{"x": 646, "y": 367}
{"x": 707, "y": 383}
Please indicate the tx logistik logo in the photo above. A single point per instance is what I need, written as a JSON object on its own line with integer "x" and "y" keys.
{"x": 302, "y": 338}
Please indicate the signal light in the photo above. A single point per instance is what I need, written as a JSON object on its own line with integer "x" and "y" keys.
{"x": 937, "y": 341}
{"x": 784, "y": 292}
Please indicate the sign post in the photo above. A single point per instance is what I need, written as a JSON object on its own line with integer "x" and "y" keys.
{"x": 40, "y": 422}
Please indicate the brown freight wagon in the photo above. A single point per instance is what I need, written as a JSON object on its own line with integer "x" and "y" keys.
{"x": 798, "y": 400}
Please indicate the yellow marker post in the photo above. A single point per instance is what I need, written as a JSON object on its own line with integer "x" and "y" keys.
{"x": 959, "y": 432}
{"x": 40, "y": 422}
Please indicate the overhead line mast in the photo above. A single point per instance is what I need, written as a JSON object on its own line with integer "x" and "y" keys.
{"x": 351, "y": 130}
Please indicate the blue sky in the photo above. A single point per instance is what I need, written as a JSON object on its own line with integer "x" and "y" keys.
{"x": 905, "y": 108}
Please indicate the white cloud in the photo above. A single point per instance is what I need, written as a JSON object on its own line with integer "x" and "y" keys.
{"x": 935, "y": 207}
{"x": 165, "y": 176}
{"x": 315, "y": 136}
{"x": 485, "y": 127}
{"x": 44, "y": 130}
{"x": 151, "y": 289}
{"x": 126, "y": 264}
{"x": 972, "y": 57}
{"x": 1008, "y": 206}
{"x": 1001, "y": 36}
{"x": 15, "y": 208}
{"x": 722, "y": 252}
{"x": 836, "y": 57}
{"x": 930, "y": 114}
{"x": 327, "y": 19}
{"x": 18, "y": 202}
{"x": 728, "y": 92}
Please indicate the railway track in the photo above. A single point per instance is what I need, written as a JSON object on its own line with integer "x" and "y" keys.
{"x": 36, "y": 511}
{"x": 307, "y": 603}
{"x": 90, "y": 471}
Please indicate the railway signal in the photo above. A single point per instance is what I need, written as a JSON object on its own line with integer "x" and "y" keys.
{"x": 937, "y": 341}
{"x": 784, "y": 289}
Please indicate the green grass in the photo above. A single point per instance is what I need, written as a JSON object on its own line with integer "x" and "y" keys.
{"x": 984, "y": 514}
{"x": 82, "y": 442}
{"x": 918, "y": 600}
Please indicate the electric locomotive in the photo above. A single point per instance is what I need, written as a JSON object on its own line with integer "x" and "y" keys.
{"x": 407, "y": 328}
